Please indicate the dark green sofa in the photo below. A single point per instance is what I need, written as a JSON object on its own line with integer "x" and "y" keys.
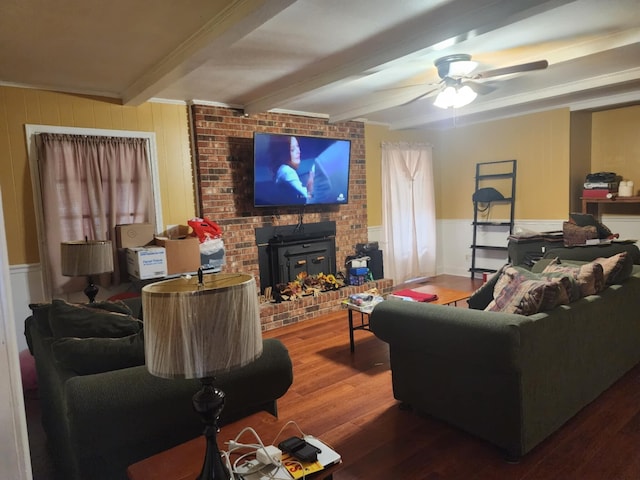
{"x": 98, "y": 424}
{"x": 510, "y": 379}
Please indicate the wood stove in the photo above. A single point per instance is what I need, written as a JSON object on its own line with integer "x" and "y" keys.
{"x": 284, "y": 252}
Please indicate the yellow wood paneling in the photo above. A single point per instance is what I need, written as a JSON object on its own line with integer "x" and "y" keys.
{"x": 21, "y": 106}
{"x": 615, "y": 143}
{"x": 540, "y": 143}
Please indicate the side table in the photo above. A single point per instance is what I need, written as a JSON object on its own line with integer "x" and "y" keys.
{"x": 184, "y": 461}
{"x": 364, "y": 311}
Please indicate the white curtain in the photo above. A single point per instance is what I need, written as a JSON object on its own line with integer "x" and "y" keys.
{"x": 408, "y": 211}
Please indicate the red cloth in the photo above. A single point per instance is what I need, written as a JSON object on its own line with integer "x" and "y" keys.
{"x": 417, "y": 296}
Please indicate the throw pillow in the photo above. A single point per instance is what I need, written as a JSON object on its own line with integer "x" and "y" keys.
{"x": 526, "y": 297}
{"x": 576, "y": 235}
{"x": 617, "y": 268}
{"x": 87, "y": 356}
{"x": 586, "y": 219}
{"x": 589, "y": 277}
{"x": 83, "y": 321}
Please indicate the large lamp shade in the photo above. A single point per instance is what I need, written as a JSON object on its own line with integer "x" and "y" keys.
{"x": 195, "y": 330}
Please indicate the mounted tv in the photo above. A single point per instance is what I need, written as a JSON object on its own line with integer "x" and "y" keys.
{"x": 298, "y": 170}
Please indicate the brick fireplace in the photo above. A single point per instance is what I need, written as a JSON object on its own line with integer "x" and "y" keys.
{"x": 224, "y": 171}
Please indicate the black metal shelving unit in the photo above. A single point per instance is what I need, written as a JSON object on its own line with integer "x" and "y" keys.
{"x": 485, "y": 173}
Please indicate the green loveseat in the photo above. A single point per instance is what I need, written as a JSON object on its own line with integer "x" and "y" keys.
{"x": 98, "y": 424}
{"x": 510, "y": 379}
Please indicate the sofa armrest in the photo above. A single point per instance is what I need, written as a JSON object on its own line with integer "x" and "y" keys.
{"x": 119, "y": 417}
{"x": 465, "y": 335}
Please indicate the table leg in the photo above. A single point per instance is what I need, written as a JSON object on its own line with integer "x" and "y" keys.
{"x": 351, "y": 340}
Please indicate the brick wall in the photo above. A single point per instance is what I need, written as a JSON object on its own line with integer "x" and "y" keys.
{"x": 224, "y": 167}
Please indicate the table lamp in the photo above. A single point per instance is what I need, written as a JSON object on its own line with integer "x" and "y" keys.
{"x": 86, "y": 257}
{"x": 198, "y": 328}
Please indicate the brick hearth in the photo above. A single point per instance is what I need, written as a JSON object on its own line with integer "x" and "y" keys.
{"x": 224, "y": 171}
{"x": 275, "y": 315}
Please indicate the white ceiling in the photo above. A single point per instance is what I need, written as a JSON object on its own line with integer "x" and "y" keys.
{"x": 343, "y": 59}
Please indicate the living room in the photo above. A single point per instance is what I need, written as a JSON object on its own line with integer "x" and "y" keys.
{"x": 554, "y": 149}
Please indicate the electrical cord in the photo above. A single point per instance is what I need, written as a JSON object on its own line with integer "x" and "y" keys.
{"x": 235, "y": 445}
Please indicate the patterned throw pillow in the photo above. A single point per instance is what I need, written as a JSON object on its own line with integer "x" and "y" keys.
{"x": 616, "y": 268}
{"x": 589, "y": 277}
{"x": 576, "y": 235}
{"x": 521, "y": 293}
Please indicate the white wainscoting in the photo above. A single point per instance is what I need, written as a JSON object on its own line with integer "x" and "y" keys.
{"x": 454, "y": 239}
{"x": 453, "y": 254}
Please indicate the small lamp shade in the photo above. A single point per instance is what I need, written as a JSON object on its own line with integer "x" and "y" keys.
{"x": 197, "y": 330}
{"x": 90, "y": 257}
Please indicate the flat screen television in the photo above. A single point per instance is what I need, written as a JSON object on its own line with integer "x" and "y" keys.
{"x": 299, "y": 170}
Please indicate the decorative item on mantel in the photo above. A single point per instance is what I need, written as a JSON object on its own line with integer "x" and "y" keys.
{"x": 306, "y": 284}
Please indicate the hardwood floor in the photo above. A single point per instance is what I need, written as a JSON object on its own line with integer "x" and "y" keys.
{"x": 346, "y": 400}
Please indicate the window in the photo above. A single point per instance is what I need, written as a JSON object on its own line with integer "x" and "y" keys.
{"x": 86, "y": 182}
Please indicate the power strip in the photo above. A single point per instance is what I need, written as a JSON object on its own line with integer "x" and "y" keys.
{"x": 255, "y": 470}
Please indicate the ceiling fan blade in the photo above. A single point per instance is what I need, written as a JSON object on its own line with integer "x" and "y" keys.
{"x": 523, "y": 67}
{"x": 480, "y": 88}
{"x": 415, "y": 99}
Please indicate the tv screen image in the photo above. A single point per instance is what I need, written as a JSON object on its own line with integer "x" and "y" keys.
{"x": 300, "y": 170}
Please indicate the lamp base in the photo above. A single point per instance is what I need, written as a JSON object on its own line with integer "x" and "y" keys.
{"x": 208, "y": 403}
{"x": 91, "y": 290}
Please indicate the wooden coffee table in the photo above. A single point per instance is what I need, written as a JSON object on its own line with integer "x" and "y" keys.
{"x": 446, "y": 296}
{"x": 184, "y": 461}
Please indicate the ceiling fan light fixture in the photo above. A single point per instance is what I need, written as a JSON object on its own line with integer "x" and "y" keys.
{"x": 446, "y": 98}
{"x": 462, "y": 68}
{"x": 455, "y": 97}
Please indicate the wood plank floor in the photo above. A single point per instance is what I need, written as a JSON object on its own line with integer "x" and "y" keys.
{"x": 346, "y": 400}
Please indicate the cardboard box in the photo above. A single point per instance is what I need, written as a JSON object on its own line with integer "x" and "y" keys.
{"x": 183, "y": 255}
{"x": 146, "y": 262}
{"x": 134, "y": 235}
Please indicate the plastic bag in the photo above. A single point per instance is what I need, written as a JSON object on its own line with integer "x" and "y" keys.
{"x": 204, "y": 228}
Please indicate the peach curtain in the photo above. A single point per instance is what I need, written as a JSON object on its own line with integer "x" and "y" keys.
{"x": 408, "y": 211}
{"x": 90, "y": 184}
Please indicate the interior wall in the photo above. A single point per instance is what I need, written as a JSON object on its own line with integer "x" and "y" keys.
{"x": 19, "y": 106}
{"x": 615, "y": 143}
{"x": 539, "y": 142}
{"x": 581, "y": 128}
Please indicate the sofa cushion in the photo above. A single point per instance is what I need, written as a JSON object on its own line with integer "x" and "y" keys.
{"x": 103, "y": 319}
{"x": 87, "y": 356}
{"x": 589, "y": 276}
{"x": 521, "y": 292}
{"x": 616, "y": 268}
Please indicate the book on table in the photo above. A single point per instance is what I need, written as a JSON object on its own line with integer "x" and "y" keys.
{"x": 326, "y": 458}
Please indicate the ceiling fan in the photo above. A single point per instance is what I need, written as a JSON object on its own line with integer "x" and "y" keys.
{"x": 458, "y": 86}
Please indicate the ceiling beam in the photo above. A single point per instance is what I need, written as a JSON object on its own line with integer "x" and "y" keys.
{"x": 453, "y": 19}
{"x": 235, "y": 21}
{"x": 590, "y": 46}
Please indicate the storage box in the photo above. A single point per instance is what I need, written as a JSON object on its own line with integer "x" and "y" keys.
{"x": 146, "y": 262}
{"x": 134, "y": 235}
{"x": 183, "y": 255}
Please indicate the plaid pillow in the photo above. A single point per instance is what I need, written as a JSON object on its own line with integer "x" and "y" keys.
{"x": 519, "y": 292}
{"x": 614, "y": 268}
{"x": 589, "y": 277}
